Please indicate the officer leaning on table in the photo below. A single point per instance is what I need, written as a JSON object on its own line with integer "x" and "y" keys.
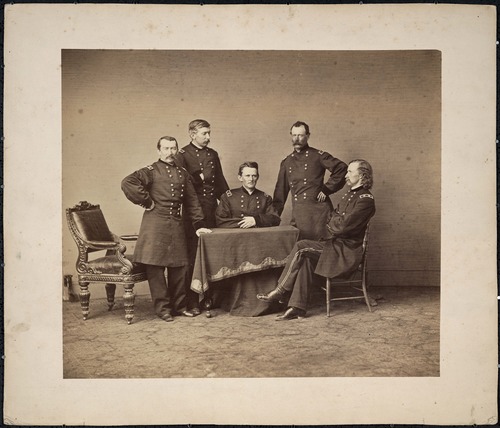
{"x": 164, "y": 189}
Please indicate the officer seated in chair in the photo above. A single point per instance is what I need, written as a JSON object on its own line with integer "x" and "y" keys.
{"x": 338, "y": 254}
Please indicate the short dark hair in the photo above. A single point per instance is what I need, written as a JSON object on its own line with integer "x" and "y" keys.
{"x": 365, "y": 170}
{"x": 299, "y": 123}
{"x": 248, "y": 164}
{"x": 197, "y": 124}
{"x": 167, "y": 138}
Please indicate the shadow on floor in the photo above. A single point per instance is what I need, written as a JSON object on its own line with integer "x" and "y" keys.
{"x": 399, "y": 338}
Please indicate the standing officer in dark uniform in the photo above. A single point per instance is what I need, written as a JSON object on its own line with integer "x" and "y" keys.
{"x": 164, "y": 189}
{"x": 204, "y": 165}
{"x": 302, "y": 174}
{"x": 246, "y": 206}
{"x": 340, "y": 254}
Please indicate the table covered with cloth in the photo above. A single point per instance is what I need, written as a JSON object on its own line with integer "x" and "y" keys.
{"x": 233, "y": 265}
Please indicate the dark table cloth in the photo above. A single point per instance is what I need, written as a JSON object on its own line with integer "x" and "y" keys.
{"x": 239, "y": 263}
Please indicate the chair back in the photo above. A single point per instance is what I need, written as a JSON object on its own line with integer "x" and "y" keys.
{"x": 365, "y": 243}
{"x": 86, "y": 223}
{"x": 357, "y": 277}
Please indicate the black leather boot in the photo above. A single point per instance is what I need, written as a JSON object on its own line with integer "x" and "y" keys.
{"x": 291, "y": 314}
{"x": 273, "y": 296}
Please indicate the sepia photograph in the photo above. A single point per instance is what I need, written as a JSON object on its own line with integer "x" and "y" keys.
{"x": 298, "y": 119}
{"x": 250, "y": 214}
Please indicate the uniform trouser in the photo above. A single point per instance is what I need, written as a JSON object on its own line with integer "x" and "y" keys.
{"x": 208, "y": 206}
{"x": 173, "y": 297}
{"x": 297, "y": 277}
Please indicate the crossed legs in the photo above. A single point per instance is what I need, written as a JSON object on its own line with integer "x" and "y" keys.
{"x": 296, "y": 278}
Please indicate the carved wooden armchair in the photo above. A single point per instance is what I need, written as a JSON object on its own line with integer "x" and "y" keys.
{"x": 91, "y": 233}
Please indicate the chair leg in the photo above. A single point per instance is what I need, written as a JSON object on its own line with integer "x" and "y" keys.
{"x": 328, "y": 297}
{"x": 84, "y": 298}
{"x": 110, "y": 294}
{"x": 365, "y": 293}
{"x": 128, "y": 301}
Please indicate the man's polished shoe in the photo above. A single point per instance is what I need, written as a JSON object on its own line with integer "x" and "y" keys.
{"x": 167, "y": 318}
{"x": 291, "y": 314}
{"x": 188, "y": 313}
{"x": 273, "y": 296}
{"x": 195, "y": 311}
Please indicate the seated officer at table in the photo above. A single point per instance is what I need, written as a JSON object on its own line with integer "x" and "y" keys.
{"x": 337, "y": 255}
{"x": 246, "y": 206}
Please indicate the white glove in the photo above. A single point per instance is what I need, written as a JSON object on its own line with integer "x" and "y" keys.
{"x": 203, "y": 230}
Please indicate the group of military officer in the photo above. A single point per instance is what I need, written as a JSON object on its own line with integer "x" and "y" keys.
{"x": 185, "y": 194}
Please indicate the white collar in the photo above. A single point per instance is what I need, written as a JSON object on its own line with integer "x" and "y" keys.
{"x": 197, "y": 146}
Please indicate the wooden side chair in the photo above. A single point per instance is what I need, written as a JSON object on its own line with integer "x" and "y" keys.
{"x": 356, "y": 280}
{"x": 91, "y": 233}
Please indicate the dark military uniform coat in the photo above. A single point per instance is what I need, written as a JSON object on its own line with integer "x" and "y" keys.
{"x": 343, "y": 250}
{"x": 162, "y": 240}
{"x": 302, "y": 174}
{"x": 206, "y": 161}
{"x": 238, "y": 203}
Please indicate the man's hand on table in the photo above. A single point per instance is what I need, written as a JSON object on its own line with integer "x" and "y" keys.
{"x": 202, "y": 230}
{"x": 247, "y": 222}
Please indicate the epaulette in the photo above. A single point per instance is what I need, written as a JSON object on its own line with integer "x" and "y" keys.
{"x": 182, "y": 151}
{"x": 228, "y": 193}
{"x": 366, "y": 195}
{"x": 150, "y": 167}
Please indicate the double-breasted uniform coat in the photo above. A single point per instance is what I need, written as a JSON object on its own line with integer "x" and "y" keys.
{"x": 209, "y": 189}
{"x": 302, "y": 175}
{"x": 338, "y": 255}
{"x": 238, "y": 203}
{"x": 162, "y": 242}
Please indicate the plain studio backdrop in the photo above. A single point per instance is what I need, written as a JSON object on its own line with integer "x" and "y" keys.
{"x": 382, "y": 106}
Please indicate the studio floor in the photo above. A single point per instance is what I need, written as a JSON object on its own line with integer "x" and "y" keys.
{"x": 399, "y": 338}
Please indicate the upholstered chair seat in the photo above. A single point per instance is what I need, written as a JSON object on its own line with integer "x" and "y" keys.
{"x": 110, "y": 265}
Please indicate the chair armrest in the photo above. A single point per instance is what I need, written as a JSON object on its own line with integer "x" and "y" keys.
{"x": 102, "y": 245}
{"x": 129, "y": 237}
